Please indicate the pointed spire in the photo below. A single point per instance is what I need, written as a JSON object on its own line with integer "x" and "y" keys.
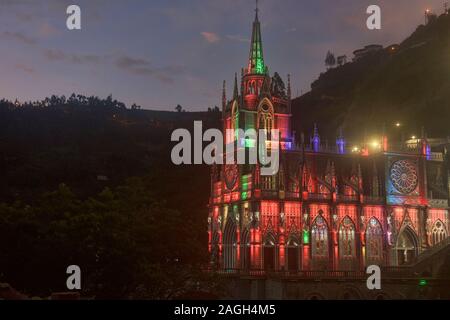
{"x": 235, "y": 90}
{"x": 256, "y": 58}
{"x": 315, "y": 140}
{"x": 224, "y": 96}
{"x": 289, "y": 87}
{"x": 340, "y": 142}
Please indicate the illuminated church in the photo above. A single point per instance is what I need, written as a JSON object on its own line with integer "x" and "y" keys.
{"x": 328, "y": 208}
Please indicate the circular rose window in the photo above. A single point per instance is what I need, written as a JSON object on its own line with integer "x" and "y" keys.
{"x": 404, "y": 176}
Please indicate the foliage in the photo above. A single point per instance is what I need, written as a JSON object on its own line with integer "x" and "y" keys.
{"x": 409, "y": 84}
{"x": 126, "y": 242}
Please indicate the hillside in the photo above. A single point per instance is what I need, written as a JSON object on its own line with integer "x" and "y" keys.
{"x": 410, "y": 85}
{"x": 85, "y": 147}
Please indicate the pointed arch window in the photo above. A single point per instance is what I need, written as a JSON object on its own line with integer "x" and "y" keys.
{"x": 438, "y": 233}
{"x": 374, "y": 241}
{"x": 319, "y": 232}
{"x": 230, "y": 245}
{"x": 347, "y": 239}
{"x": 234, "y": 122}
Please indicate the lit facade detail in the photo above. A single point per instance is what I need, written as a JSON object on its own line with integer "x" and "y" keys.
{"x": 340, "y": 209}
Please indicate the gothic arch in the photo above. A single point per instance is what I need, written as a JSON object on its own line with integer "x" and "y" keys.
{"x": 293, "y": 253}
{"x": 245, "y": 250}
{"x": 269, "y": 251}
{"x": 266, "y": 115}
{"x": 438, "y": 233}
{"x": 320, "y": 243}
{"x": 374, "y": 242}
{"x": 230, "y": 245}
{"x": 347, "y": 244}
{"x": 406, "y": 246}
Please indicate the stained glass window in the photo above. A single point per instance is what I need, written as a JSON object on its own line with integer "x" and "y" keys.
{"x": 347, "y": 238}
{"x": 319, "y": 232}
{"x": 374, "y": 240}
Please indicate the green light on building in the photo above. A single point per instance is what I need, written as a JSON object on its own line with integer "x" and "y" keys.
{"x": 305, "y": 237}
{"x": 423, "y": 282}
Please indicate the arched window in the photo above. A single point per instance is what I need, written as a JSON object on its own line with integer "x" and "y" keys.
{"x": 230, "y": 245}
{"x": 234, "y": 121}
{"x": 374, "y": 242}
{"x": 406, "y": 246}
{"x": 319, "y": 243}
{"x": 293, "y": 250}
{"x": 438, "y": 233}
{"x": 245, "y": 250}
{"x": 269, "y": 252}
{"x": 265, "y": 116}
{"x": 347, "y": 252}
{"x": 266, "y": 121}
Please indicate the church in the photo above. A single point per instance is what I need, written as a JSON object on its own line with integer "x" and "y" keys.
{"x": 329, "y": 208}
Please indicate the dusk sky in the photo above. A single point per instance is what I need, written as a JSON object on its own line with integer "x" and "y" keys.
{"x": 160, "y": 53}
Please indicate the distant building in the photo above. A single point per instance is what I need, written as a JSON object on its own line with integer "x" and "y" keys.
{"x": 341, "y": 60}
{"x": 360, "y": 53}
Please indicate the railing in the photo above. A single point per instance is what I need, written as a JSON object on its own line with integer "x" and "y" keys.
{"x": 405, "y": 272}
{"x": 307, "y": 274}
{"x": 436, "y": 156}
{"x": 269, "y": 194}
{"x": 436, "y": 248}
{"x": 441, "y": 203}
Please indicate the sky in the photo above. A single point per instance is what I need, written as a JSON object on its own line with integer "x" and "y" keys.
{"x": 160, "y": 53}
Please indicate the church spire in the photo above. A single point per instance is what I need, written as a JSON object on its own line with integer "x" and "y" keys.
{"x": 235, "y": 90}
{"x": 256, "y": 58}
{"x": 224, "y": 97}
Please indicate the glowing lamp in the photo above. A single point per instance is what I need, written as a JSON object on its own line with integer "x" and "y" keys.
{"x": 423, "y": 282}
{"x": 375, "y": 144}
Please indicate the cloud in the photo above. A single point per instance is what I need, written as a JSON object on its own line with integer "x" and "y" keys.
{"x": 47, "y": 30}
{"x": 144, "y": 67}
{"x": 17, "y": 36}
{"x": 210, "y": 37}
{"x": 58, "y": 55}
{"x": 24, "y": 68}
{"x": 127, "y": 62}
{"x": 238, "y": 38}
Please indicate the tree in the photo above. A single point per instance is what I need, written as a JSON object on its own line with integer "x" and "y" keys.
{"x": 330, "y": 60}
{"x": 179, "y": 108}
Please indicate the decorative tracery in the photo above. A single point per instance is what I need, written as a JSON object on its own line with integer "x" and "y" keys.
{"x": 438, "y": 233}
{"x": 374, "y": 240}
{"x": 319, "y": 232}
{"x": 347, "y": 238}
{"x": 404, "y": 176}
